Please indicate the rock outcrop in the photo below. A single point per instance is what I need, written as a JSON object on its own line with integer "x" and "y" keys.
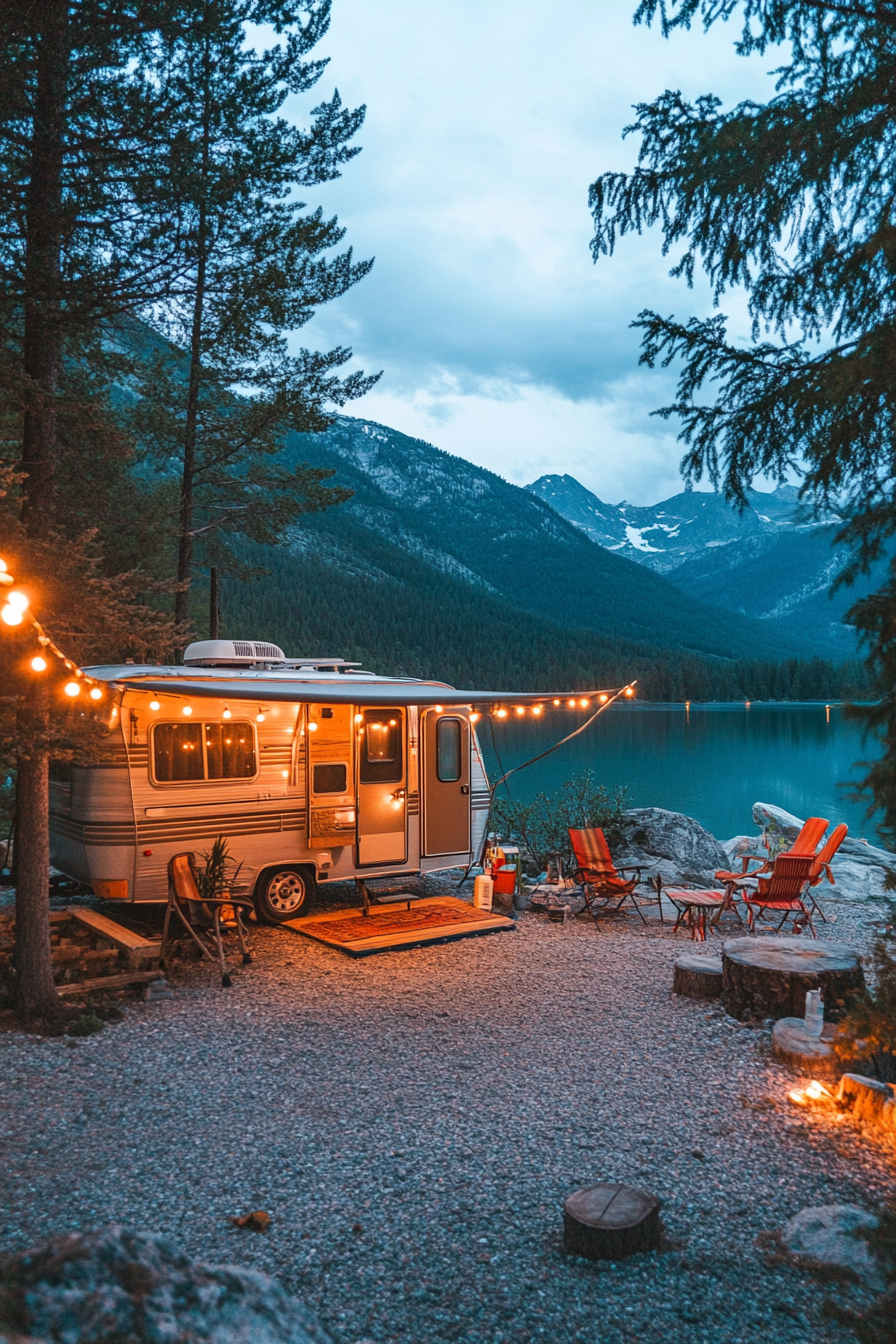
{"x": 831, "y": 1235}
{"x": 133, "y": 1287}
{"x": 671, "y": 844}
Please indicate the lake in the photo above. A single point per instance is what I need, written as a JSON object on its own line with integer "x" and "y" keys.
{"x": 712, "y": 761}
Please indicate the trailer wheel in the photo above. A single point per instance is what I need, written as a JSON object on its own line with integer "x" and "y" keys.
{"x": 284, "y": 893}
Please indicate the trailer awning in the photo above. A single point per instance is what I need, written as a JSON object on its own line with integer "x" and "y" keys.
{"x": 346, "y": 691}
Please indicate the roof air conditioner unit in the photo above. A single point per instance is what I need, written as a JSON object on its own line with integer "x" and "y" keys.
{"x": 231, "y": 653}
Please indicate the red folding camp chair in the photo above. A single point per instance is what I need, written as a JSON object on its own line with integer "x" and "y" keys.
{"x": 821, "y": 866}
{"x": 806, "y": 842}
{"x": 600, "y": 879}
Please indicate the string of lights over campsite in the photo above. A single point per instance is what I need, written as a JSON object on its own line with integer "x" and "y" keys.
{"x": 17, "y": 610}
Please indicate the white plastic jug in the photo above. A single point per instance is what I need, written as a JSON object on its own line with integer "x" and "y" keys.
{"x": 483, "y": 888}
{"x": 814, "y": 1013}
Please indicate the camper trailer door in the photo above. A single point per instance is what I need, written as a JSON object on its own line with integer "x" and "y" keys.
{"x": 382, "y": 786}
{"x": 446, "y": 777}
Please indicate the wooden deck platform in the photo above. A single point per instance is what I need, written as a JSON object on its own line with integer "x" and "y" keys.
{"x": 439, "y": 919}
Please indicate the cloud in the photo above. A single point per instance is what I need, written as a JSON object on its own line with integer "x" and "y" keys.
{"x": 498, "y": 337}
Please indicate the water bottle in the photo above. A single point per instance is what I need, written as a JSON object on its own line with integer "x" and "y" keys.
{"x": 814, "y": 1013}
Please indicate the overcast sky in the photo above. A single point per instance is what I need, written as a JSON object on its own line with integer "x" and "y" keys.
{"x": 498, "y": 338}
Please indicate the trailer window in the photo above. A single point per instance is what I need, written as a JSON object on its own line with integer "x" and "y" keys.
{"x": 330, "y": 779}
{"x": 177, "y": 752}
{"x": 187, "y": 752}
{"x": 230, "y": 750}
{"x": 448, "y": 750}
{"x": 381, "y": 756}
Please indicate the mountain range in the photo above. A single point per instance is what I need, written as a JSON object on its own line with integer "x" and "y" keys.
{"x": 772, "y": 561}
{"x": 439, "y": 567}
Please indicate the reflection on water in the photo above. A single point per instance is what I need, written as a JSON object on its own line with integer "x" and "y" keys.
{"x": 710, "y": 761}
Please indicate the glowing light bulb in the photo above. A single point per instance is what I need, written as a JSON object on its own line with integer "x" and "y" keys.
{"x": 2, "y": 566}
{"x": 259, "y": 718}
{"x": 629, "y": 690}
{"x": 285, "y": 774}
{"x": 536, "y": 709}
{"x": 584, "y": 703}
{"x": 72, "y": 688}
{"x": 96, "y": 693}
{"x": 474, "y": 718}
{"x": 359, "y": 718}
{"x": 438, "y": 709}
{"x": 604, "y": 699}
{"x": 312, "y": 727}
{"x": 502, "y": 713}
{"x": 10, "y": 616}
{"x": 17, "y": 600}
{"x": 556, "y": 702}
{"x": 571, "y": 703}
{"x": 38, "y": 664}
{"x": 520, "y": 709}
{"x": 188, "y": 709}
{"x": 227, "y": 714}
{"x": 154, "y": 704}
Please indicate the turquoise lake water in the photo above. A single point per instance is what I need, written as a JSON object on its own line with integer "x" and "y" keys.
{"x": 712, "y": 761}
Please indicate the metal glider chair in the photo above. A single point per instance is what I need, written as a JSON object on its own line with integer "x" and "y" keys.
{"x": 781, "y": 892}
{"x": 206, "y": 919}
{"x": 600, "y": 879}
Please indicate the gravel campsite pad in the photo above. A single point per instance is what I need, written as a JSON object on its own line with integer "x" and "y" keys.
{"x": 413, "y": 1121}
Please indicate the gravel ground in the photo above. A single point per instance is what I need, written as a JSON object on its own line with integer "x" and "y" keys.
{"x": 413, "y": 1122}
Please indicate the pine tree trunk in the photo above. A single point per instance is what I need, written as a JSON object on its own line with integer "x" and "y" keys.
{"x": 35, "y": 995}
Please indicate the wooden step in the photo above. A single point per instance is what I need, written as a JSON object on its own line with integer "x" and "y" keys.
{"x": 132, "y": 944}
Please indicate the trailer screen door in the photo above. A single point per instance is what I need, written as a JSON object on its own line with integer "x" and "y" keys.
{"x": 446, "y": 791}
{"x": 382, "y": 787}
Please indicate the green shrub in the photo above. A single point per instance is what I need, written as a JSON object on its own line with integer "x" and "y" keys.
{"x": 88, "y": 1024}
{"x": 540, "y": 828}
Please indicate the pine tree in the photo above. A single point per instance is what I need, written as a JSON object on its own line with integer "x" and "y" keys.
{"x": 254, "y": 268}
{"x": 791, "y": 201}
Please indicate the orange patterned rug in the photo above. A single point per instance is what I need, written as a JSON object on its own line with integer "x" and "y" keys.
{"x": 358, "y": 927}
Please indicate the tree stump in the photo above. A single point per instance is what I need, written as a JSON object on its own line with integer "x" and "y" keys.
{"x": 698, "y": 977}
{"x": 768, "y": 976}
{"x": 813, "y": 1055}
{"x": 609, "y": 1222}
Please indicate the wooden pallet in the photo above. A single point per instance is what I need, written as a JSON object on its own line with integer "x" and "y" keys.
{"x": 434, "y": 920}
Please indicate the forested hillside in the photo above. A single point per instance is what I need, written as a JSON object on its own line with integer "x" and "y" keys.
{"x": 439, "y": 568}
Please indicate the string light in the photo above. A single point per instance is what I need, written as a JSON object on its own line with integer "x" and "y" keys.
{"x": 188, "y": 709}
{"x": 38, "y": 664}
{"x": 604, "y": 698}
{"x": 96, "y": 693}
{"x": 14, "y": 614}
{"x": 227, "y": 714}
{"x": 629, "y": 690}
{"x": 17, "y": 600}
{"x": 536, "y": 710}
{"x": 11, "y": 616}
{"x": 154, "y": 705}
{"x": 572, "y": 704}
{"x": 502, "y": 713}
{"x": 520, "y": 709}
{"x": 259, "y": 717}
{"x": 72, "y": 688}
{"x": 584, "y": 703}
{"x": 556, "y": 702}
{"x": 474, "y": 718}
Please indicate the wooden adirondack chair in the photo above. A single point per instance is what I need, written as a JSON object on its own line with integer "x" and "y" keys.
{"x": 600, "y": 879}
{"x": 205, "y": 919}
{"x": 821, "y": 866}
{"x": 782, "y": 891}
{"x": 806, "y": 842}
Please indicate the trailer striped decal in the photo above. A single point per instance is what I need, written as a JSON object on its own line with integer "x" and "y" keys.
{"x": 162, "y": 831}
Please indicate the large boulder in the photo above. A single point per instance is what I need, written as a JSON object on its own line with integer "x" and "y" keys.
{"x": 671, "y": 844}
{"x": 831, "y": 1234}
{"x": 116, "y": 1287}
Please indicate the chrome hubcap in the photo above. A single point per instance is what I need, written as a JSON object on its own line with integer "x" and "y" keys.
{"x": 286, "y": 892}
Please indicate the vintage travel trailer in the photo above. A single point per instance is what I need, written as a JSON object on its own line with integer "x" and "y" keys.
{"x": 313, "y": 770}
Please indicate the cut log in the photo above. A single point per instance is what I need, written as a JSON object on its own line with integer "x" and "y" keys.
{"x": 698, "y": 977}
{"x": 610, "y": 1222}
{"x": 812, "y": 1055}
{"x": 769, "y": 976}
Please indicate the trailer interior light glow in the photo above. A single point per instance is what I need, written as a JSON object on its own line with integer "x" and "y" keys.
{"x": 38, "y": 664}
{"x": 10, "y": 616}
{"x": 72, "y": 688}
{"x": 188, "y": 709}
{"x": 154, "y": 704}
{"x": 17, "y": 600}
{"x": 96, "y": 693}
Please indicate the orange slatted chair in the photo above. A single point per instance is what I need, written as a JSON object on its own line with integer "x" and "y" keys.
{"x": 781, "y": 890}
{"x": 806, "y": 842}
{"x": 821, "y": 865}
{"x": 600, "y": 879}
